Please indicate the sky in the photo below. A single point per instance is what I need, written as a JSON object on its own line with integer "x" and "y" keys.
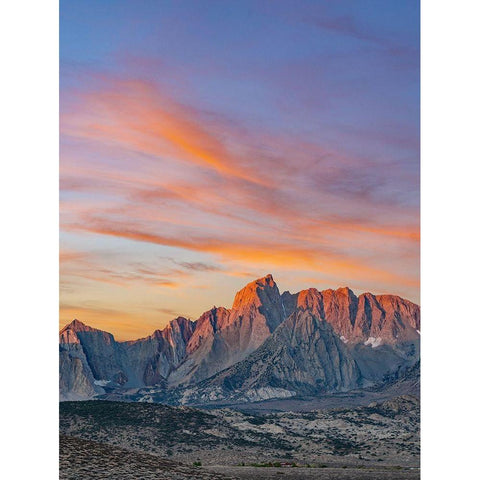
{"x": 206, "y": 144}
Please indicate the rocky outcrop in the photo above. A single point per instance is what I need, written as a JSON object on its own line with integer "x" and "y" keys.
{"x": 206, "y": 351}
{"x": 102, "y": 352}
{"x": 76, "y": 379}
{"x": 150, "y": 360}
{"x": 88, "y": 359}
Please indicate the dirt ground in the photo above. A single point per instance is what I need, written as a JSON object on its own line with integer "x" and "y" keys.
{"x": 87, "y": 460}
{"x": 245, "y": 473}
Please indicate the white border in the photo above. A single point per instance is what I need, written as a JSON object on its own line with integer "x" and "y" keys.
{"x": 450, "y": 238}
{"x": 29, "y": 239}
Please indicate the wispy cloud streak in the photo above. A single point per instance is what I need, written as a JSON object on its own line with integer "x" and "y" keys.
{"x": 210, "y": 186}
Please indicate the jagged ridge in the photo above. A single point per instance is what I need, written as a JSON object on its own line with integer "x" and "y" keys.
{"x": 371, "y": 335}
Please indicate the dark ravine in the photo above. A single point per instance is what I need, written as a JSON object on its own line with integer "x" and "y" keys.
{"x": 268, "y": 345}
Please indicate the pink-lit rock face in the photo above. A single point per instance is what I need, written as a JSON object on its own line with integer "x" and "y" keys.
{"x": 223, "y": 337}
{"x": 358, "y": 319}
{"x": 256, "y": 312}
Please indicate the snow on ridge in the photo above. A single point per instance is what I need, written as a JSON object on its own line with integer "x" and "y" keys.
{"x": 101, "y": 383}
{"x": 373, "y": 341}
{"x": 343, "y": 339}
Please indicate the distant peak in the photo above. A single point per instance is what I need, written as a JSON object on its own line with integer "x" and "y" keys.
{"x": 77, "y": 326}
{"x": 180, "y": 324}
{"x": 178, "y": 321}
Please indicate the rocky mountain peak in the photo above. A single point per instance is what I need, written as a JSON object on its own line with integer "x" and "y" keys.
{"x": 310, "y": 299}
{"x": 77, "y": 326}
{"x": 181, "y": 326}
{"x": 259, "y": 303}
{"x": 223, "y": 337}
{"x": 68, "y": 334}
{"x": 250, "y": 294}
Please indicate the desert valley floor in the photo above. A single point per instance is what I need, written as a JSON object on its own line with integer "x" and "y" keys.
{"x": 126, "y": 440}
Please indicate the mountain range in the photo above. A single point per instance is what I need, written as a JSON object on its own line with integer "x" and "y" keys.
{"x": 267, "y": 345}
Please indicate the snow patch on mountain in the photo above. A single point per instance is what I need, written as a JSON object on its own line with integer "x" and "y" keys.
{"x": 267, "y": 393}
{"x": 101, "y": 383}
{"x": 373, "y": 341}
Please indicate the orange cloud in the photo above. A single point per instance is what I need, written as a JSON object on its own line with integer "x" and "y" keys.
{"x": 135, "y": 115}
{"x": 257, "y": 251}
{"x": 143, "y": 167}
